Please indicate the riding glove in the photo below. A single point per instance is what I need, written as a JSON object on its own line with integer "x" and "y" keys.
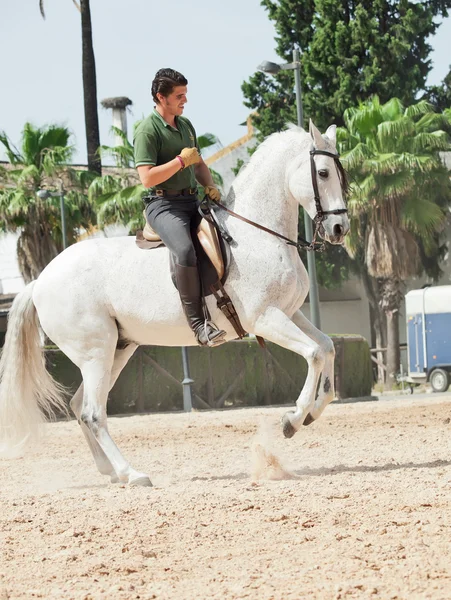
{"x": 213, "y": 193}
{"x": 189, "y": 156}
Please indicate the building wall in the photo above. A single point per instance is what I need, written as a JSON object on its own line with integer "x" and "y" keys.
{"x": 227, "y": 162}
{"x": 11, "y": 280}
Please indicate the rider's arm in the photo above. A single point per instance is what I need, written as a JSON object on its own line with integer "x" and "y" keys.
{"x": 203, "y": 175}
{"x": 151, "y": 176}
{"x": 146, "y": 148}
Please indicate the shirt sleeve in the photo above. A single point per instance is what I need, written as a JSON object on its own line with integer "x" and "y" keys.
{"x": 145, "y": 149}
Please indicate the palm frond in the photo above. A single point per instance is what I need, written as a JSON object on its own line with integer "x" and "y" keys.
{"x": 420, "y": 108}
{"x": 30, "y": 144}
{"x": 437, "y": 140}
{"x": 54, "y": 136}
{"x": 207, "y": 139}
{"x": 83, "y": 178}
{"x": 107, "y": 184}
{"x": 28, "y": 173}
{"x": 53, "y": 158}
{"x": 392, "y": 110}
{"x": 12, "y": 153}
{"x": 422, "y": 217}
{"x": 390, "y": 132}
{"x": 356, "y": 156}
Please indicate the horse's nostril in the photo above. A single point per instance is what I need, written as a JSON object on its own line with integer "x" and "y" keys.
{"x": 338, "y": 230}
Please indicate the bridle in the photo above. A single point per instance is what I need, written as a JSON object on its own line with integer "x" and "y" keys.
{"x": 207, "y": 204}
{"x": 320, "y": 213}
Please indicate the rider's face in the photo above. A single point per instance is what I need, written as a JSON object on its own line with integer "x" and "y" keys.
{"x": 175, "y": 102}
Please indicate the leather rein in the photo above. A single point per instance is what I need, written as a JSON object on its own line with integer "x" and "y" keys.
{"x": 321, "y": 214}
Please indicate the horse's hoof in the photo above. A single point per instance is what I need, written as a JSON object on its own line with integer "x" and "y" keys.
{"x": 141, "y": 480}
{"x": 114, "y": 479}
{"x": 308, "y": 420}
{"x": 287, "y": 427}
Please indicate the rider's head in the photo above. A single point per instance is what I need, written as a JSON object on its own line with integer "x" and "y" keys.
{"x": 169, "y": 90}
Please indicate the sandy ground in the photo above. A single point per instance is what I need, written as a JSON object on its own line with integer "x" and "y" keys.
{"x": 367, "y": 514}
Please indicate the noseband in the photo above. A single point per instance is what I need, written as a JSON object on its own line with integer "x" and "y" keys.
{"x": 301, "y": 244}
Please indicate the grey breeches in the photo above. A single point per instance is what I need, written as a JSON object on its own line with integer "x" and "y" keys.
{"x": 174, "y": 219}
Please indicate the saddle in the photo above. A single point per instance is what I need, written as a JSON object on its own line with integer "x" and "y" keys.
{"x": 213, "y": 253}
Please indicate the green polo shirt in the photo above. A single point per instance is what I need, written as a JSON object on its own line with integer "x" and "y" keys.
{"x": 156, "y": 143}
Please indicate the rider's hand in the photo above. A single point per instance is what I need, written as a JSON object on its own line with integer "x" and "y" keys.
{"x": 189, "y": 156}
{"x": 213, "y": 193}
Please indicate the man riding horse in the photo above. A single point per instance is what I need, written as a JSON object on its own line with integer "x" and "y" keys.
{"x": 169, "y": 164}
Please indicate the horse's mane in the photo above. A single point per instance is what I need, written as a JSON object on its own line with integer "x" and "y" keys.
{"x": 293, "y": 132}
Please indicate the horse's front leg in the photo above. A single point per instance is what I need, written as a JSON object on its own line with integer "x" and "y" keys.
{"x": 326, "y": 391}
{"x": 275, "y": 326}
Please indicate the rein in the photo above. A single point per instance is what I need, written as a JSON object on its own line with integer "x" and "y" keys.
{"x": 321, "y": 214}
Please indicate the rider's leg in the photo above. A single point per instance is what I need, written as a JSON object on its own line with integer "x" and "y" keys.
{"x": 172, "y": 220}
{"x": 188, "y": 285}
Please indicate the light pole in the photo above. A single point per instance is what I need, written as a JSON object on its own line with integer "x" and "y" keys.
{"x": 273, "y": 69}
{"x": 44, "y": 195}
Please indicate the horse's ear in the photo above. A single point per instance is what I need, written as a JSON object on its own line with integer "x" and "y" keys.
{"x": 316, "y": 135}
{"x": 331, "y": 133}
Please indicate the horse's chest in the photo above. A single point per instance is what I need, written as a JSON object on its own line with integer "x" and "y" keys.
{"x": 279, "y": 275}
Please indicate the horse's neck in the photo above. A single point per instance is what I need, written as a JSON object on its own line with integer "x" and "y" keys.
{"x": 261, "y": 194}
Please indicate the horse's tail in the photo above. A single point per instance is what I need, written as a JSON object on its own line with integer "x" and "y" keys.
{"x": 28, "y": 394}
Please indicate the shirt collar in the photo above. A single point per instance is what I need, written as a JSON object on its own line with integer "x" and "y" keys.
{"x": 163, "y": 121}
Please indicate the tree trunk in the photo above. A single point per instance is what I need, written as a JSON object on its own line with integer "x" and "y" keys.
{"x": 90, "y": 90}
{"x": 393, "y": 353}
{"x": 35, "y": 249}
{"x": 391, "y": 297}
{"x": 378, "y": 320}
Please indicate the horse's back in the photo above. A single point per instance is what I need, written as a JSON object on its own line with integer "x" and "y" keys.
{"x": 98, "y": 281}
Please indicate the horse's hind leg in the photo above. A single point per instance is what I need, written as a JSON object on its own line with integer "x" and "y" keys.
{"x": 121, "y": 357}
{"x": 97, "y": 374}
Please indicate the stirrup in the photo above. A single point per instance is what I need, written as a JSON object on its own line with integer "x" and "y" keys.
{"x": 215, "y": 338}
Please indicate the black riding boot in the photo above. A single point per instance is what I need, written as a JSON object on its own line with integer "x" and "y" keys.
{"x": 188, "y": 285}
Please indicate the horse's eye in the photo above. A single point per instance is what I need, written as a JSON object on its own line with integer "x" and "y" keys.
{"x": 323, "y": 173}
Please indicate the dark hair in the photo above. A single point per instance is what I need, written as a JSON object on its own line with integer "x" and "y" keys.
{"x": 165, "y": 81}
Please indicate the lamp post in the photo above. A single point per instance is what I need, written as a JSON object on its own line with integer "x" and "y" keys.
{"x": 44, "y": 195}
{"x": 273, "y": 69}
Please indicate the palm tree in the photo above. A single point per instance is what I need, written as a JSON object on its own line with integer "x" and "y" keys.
{"x": 39, "y": 162}
{"x": 118, "y": 196}
{"x": 400, "y": 192}
{"x": 89, "y": 85}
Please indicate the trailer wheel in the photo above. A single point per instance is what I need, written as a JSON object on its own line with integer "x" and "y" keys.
{"x": 439, "y": 380}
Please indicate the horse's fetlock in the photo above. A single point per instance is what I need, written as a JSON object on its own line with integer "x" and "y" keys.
{"x": 91, "y": 421}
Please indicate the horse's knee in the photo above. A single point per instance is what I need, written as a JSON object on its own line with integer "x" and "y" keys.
{"x": 316, "y": 357}
{"x": 329, "y": 348}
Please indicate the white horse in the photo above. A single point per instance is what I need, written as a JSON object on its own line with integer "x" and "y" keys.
{"x": 103, "y": 291}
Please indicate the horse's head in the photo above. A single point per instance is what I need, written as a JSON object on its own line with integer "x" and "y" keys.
{"x": 317, "y": 182}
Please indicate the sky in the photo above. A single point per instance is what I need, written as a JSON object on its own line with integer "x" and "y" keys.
{"x": 216, "y": 44}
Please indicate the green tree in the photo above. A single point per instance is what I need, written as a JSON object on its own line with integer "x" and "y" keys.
{"x": 118, "y": 196}
{"x": 89, "y": 85}
{"x": 440, "y": 95}
{"x": 350, "y": 50}
{"x": 398, "y": 203}
{"x": 41, "y": 161}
